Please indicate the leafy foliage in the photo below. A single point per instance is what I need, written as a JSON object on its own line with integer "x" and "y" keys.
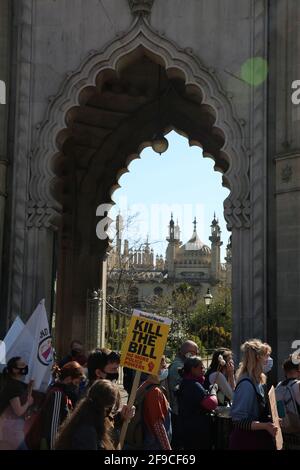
{"x": 213, "y": 326}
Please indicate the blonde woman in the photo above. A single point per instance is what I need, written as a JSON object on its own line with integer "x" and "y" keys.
{"x": 252, "y": 429}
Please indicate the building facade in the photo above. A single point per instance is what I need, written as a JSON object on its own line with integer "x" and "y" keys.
{"x": 82, "y": 103}
{"x": 140, "y": 275}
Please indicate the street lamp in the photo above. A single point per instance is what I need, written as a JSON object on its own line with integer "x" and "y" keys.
{"x": 208, "y": 300}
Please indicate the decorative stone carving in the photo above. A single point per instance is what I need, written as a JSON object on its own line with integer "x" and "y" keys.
{"x": 286, "y": 174}
{"x": 141, "y": 7}
{"x": 42, "y": 215}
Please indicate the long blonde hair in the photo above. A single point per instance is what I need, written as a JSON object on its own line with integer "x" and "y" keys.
{"x": 253, "y": 350}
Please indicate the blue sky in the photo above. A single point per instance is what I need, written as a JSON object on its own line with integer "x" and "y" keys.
{"x": 179, "y": 181}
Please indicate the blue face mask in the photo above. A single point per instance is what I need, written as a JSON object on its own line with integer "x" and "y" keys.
{"x": 268, "y": 366}
{"x": 163, "y": 374}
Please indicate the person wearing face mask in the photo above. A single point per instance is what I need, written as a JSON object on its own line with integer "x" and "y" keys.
{"x": 15, "y": 399}
{"x": 59, "y": 402}
{"x": 221, "y": 372}
{"x": 188, "y": 348}
{"x": 103, "y": 364}
{"x": 195, "y": 406}
{"x": 156, "y": 412}
{"x": 252, "y": 427}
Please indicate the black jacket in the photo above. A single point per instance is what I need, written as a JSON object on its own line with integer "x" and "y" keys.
{"x": 55, "y": 410}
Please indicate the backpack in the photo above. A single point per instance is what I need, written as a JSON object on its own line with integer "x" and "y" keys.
{"x": 134, "y": 439}
{"x": 288, "y": 409}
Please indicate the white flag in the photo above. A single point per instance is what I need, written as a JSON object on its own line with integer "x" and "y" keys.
{"x": 13, "y": 333}
{"x": 9, "y": 339}
{"x": 35, "y": 347}
{"x": 2, "y": 355}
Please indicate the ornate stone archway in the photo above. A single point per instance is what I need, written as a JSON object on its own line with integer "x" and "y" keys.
{"x": 45, "y": 210}
{"x": 237, "y": 205}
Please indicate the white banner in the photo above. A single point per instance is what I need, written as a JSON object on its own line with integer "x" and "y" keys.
{"x": 34, "y": 345}
{"x": 9, "y": 339}
{"x": 2, "y": 355}
{"x": 13, "y": 333}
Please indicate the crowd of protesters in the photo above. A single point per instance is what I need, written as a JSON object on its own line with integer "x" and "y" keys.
{"x": 184, "y": 407}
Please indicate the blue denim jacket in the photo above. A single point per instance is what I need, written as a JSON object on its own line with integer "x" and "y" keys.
{"x": 245, "y": 404}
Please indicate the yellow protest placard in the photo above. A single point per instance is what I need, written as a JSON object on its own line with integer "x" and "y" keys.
{"x": 145, "y": 342}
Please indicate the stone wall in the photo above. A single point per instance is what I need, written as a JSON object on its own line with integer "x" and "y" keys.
{"x": 4, "y": 76}
{"x": 283, "y": 180}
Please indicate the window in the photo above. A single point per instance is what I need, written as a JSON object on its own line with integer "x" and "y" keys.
{"x": 133, "y": 296}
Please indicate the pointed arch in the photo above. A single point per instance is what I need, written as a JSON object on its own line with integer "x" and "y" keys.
{"x": 45, "y": 209}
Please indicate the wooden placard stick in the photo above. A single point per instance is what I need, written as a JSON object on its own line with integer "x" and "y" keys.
{"x": 130, "y": 403}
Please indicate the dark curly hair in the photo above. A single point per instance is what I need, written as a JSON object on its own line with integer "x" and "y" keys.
{"x": 98, "y": 359}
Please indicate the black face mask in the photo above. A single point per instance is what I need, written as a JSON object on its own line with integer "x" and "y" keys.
{"x": 75, "y": 353}
{"x": 23, "y": 370}
{"x": 71, "y": 388}
{"x": 112, "y": 377}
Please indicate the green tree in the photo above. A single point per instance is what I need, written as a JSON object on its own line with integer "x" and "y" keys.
{"x": 213, "y": 326}
{"x": 179, "y": 307}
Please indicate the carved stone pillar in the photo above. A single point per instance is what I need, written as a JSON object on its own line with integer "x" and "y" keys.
{"x": 4, "y": 76}
{"x": 20, "y": 135}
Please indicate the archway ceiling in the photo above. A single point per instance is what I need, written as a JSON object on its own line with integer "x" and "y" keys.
{"x": 118, "y": 117}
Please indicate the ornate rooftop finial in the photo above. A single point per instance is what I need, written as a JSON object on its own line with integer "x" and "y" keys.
{"x": 141, "y": 7}
{"x": 215, "y": 221}
{"x": 195, "y": 224}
